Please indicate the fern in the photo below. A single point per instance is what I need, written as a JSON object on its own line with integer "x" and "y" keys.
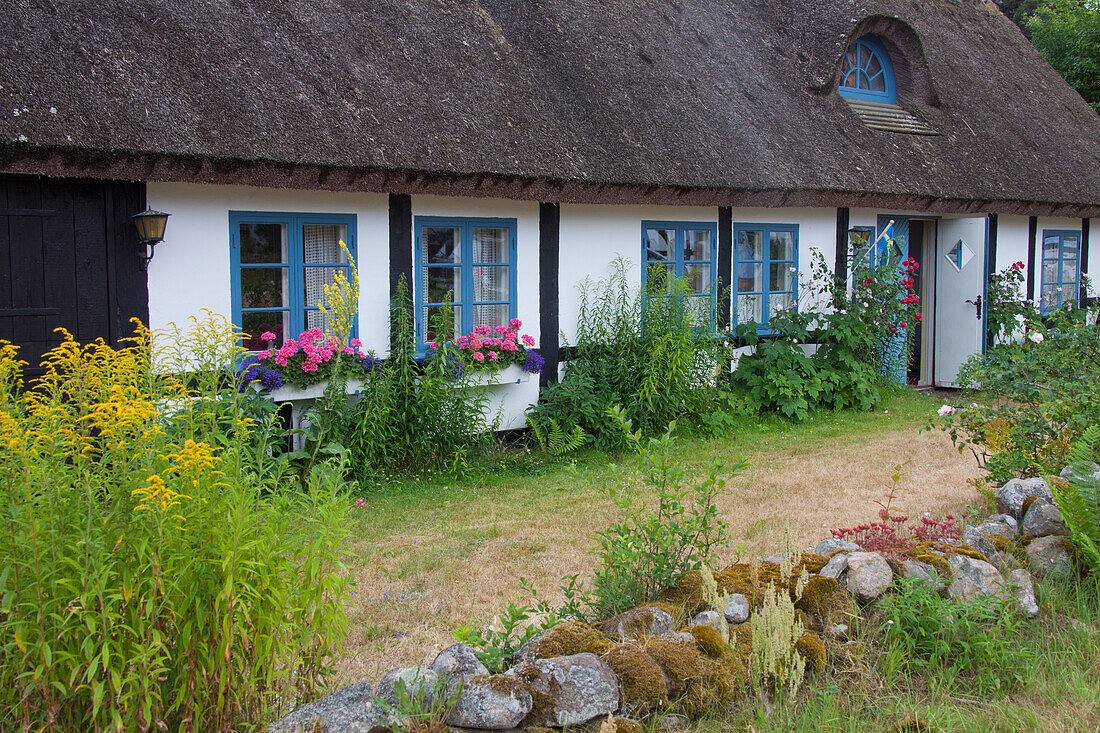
{"x": 555, "y": 440}
{"x": 1079, "y": 499}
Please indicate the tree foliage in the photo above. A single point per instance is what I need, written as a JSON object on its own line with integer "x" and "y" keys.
{"x": 1067, "y": 33}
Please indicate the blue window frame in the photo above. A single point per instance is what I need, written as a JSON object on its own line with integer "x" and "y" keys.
{"x": 685, "y": 249}
{"x": 281, "y": 263}
{"x": 868, "y": 73}
{"x": 766, "y": 270}
{"x": 473, "y": 260}
{"x": 1061, "y": 274}
{"x": 860, "y": 241}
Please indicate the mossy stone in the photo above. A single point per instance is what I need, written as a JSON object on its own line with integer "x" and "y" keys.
{"x": 969, "y": 551}
{"x": 812, "y": 562}
{"x": 686, "y": 593}
{"x": 571, "y": 637}
{"x": 678, "y": 661}
{"x": 936, "y": 561}
{"x": 626, "y": 725}
{"x": 1000, "y": 542}
{"x": 825, "y": 603}
{"x": 812, "y": 649}
{"x": 709, "y": 641}
{"x": 1027, "y": 504}
{"x": 641, "y": 679}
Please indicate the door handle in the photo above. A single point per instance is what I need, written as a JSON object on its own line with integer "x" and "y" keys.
{"x": 977, "y": 303}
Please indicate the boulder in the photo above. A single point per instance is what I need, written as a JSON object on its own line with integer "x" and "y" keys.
{"x": 637, "y": 623}
{"x": 868, "y": 576}
{"x": 672, "y": 722}
{"x": 835, "y": 567}
{"x": 1007, "y": 520}
{"x": 420, "y": 683}
{"x": 925, "y": 574}
{"x": 973, "y": 578}
{"x": 1004, "y": 561}
{"x": 1044, "y": 519}
{"x": 837, "y": 631}
{"x": 737, "y": 609}
{"x": 569, "y": 690}
{"x": 1024, "y": 591}
{"x": 457, "y": 659}
{"x": 776, "y": 558}
{"x": 991, "y": 527}
{"x": 496, "y": 702}
{"x": 348, "y": 710}
{"x": 977, "y": 540}
{"x": 1049, "y": 557}
{"x": 714, "y": 620}
{"x": 1091, "y": 472}
{"x": 1010, "y": 497}
{"x": 829, "y": 546}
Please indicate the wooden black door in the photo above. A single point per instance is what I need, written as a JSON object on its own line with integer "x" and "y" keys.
{"x": 69, "y": 258}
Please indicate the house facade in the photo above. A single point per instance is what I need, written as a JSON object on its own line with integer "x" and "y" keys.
{"x": 504, "y": 152}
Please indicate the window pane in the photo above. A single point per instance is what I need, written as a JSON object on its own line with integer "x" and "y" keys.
{"x": 750, "y": 245}
{"x": 698, "y": 245}
{"x": 438, "y": 281}
{"x": 781, "y": 277}
{"x": 749, "y": 308}
{"x": 779, "y": 302}
{"x": 1050, "y": 246}
{"x": 698, "y": 278}
{"x": 431, "y": 315}
{"x": 1050, "y": 272}
{"x": 1050, "y": 296}
{"x": 490, "y": 283}
{"x": 1069, "y": 270}
{"x": 263, "y": 243}
{"x": 264, "y": 287}
{"x": 853, "y": 57}
{"x": 750, "y": 277}
{"x": 321, "y": 243}
{"x": 660, "y": 243}
{"x": 314, "y": 318}
{"x": 257, "y": 324}
{"x": 877, "y": 83}
{"x": 782, "y": 246}
{"x": 873, "y": 66}
{"x": 490, "y": 244}
{"x": 1069, "y": 245}
{"x": 316, "y": 278}
{"x": 491, "y": 315}
{"x": 441, "y": 244}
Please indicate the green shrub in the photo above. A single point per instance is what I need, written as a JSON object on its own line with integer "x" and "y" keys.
{"x": 778, "y": 376}
{"x": 656, "y": 543}
{"x": 416, "y": 412}
{"x": 153, "y": 572}
{"x": 936, "y": 636}
{"x": 653, "y": 352}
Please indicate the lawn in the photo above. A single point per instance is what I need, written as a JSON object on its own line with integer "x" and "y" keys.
{"x": 435, "y": 552}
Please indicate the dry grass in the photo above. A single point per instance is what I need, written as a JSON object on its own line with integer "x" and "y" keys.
{"x": 435, "y": 556}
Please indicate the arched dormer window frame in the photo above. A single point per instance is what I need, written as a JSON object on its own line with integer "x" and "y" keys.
{"x": 868, "y": 61}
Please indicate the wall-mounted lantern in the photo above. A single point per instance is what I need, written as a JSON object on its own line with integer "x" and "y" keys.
{"x": 150, "y": 225}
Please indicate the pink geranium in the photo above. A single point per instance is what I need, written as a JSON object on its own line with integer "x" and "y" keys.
{"x": 492, "y": 356}
{"x": 267, "y": 336}
{"x": 515, "y": 323}
{"x": 528, "y": 341}
{"x": 478, "y": 356}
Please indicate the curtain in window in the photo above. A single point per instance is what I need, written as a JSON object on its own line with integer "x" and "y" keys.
{"x": 320, "y": 244}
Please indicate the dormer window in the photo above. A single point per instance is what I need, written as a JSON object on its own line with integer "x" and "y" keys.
{"x": 868, "y": 74}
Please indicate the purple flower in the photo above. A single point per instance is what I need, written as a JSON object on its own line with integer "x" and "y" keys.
{"x": 534, "y": 362}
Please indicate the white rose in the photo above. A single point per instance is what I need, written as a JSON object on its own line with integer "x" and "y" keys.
{"x": 945, "y": 411}
{"x": 1035, "y": 337}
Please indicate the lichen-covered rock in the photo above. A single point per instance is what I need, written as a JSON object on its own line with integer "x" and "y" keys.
{"x": 1007, "y": 520}
{"x": 835, "y": 567}
{"x": 641, "y": 681}
{"x": 637, "y": 623}
{"x": 349, "y": 710}
{"x": 1004, "y": 561}
{"x": 924, "y": 573}
{"x": 1049, "y": 557}
{"x": 490, "y": 702}
{"x": 670, "y": 722}
{"x": 457, "y": 659}
{"x": 973, "y": 578}
{"x": 868, "y": 576}
{"x": 420, "y": 683}
{"x": 738, "y": 609}
{"x": 568, "y": 690}
{"x": 977, "y": 540}
{"x": 1007, "y": 528}
{"x": 565, "y": 639}
{"x": 829, "y": 546}
{"x": 1044, "y": 519}
{"x": 712, "y": 619}
{"x": 1010, "y": 497}
{"x": 1024, "y": 591}
{"x": 1092, "y": 472}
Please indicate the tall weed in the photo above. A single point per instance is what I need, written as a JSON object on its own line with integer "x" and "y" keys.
{"x": 154, "y": 574}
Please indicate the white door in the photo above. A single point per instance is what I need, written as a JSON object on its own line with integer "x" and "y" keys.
{"x": 960, "y": 291}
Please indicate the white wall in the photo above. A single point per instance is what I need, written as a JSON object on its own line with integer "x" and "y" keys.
{"x": 191, "y": 270}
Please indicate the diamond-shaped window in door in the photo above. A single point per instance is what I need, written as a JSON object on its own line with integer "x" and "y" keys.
{"x": 959, "y": 255}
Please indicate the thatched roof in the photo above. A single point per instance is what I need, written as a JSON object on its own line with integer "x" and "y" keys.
{"x": 684, "y": 101}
